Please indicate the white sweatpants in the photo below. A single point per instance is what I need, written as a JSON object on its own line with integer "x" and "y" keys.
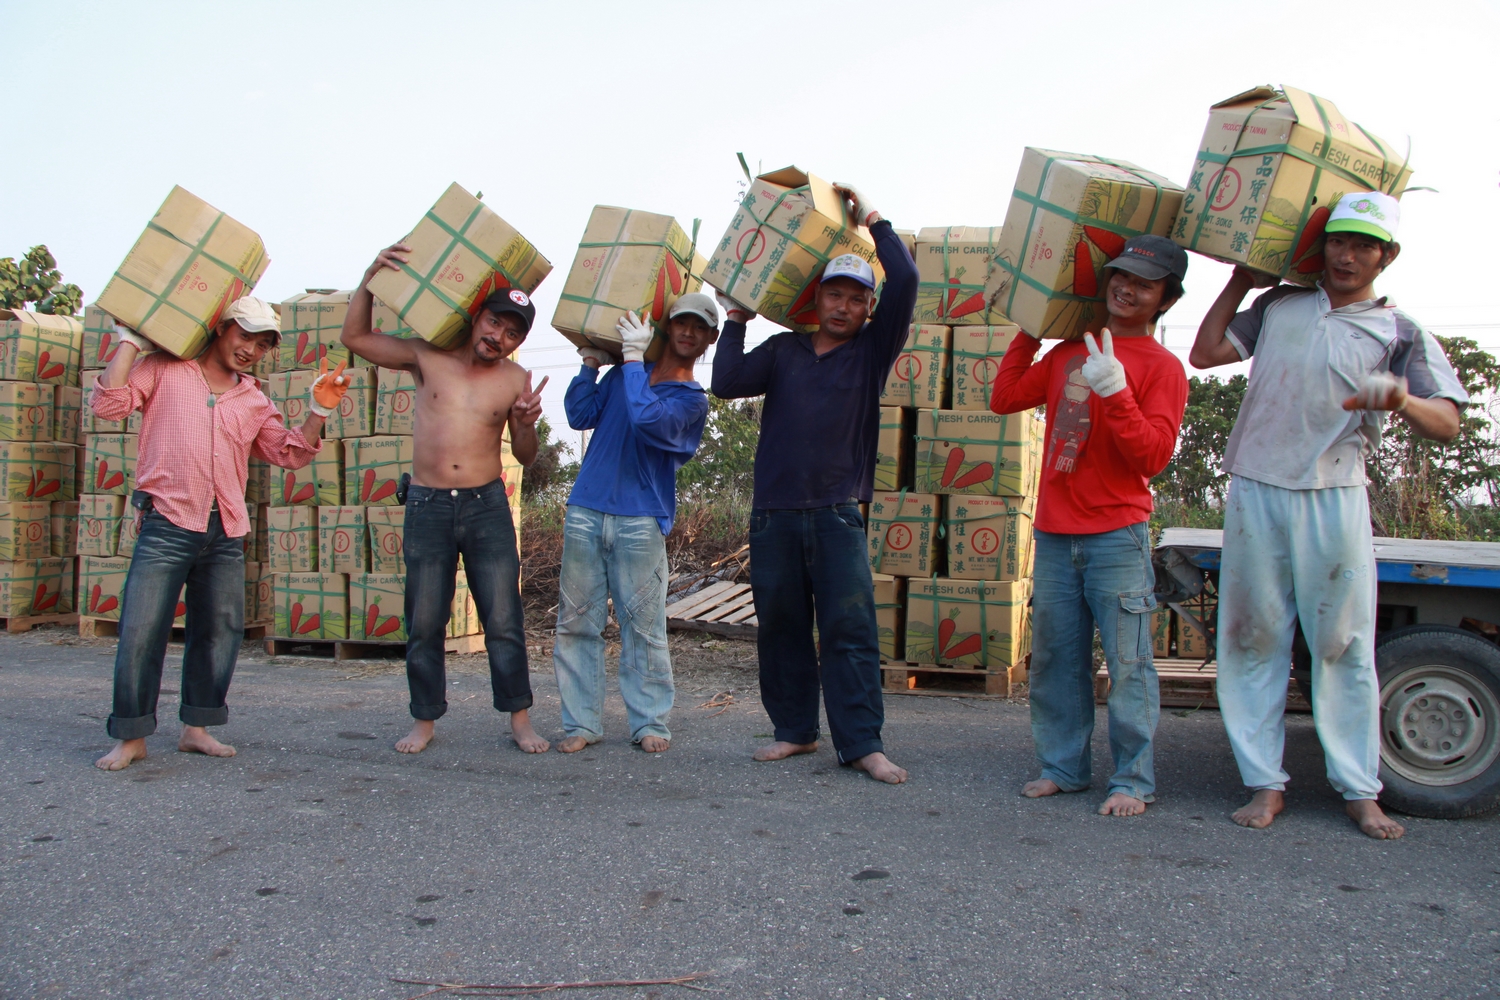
{"x": 1308, "y": 555}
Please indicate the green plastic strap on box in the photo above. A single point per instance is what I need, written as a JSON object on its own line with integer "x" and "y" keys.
{"x": 989, "y": 348}
{"x": 590, "y": 301}
{"x": 456, "y": 238}
{"x": 936, "y": 350}
{"x": 163, "y": 299}
{"x": 948, "y": 284}
{"x": 822, "y": 256}
{"x": 998, "y": 443}
{"x": 28, "y": 333}
{"x": 900, "y": 518}
{"x": 984, "y": 621}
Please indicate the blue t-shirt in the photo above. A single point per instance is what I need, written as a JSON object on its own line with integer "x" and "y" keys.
{"x": 643, "y": 434}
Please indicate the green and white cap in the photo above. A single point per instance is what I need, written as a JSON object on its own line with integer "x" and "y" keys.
{"x": 1373, "y": 213}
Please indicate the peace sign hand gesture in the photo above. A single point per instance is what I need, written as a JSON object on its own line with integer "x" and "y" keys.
{"x": 528, "y": 405}
{"x": 1104, "y": 372}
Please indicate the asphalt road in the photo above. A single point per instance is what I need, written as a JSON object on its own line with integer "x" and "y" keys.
{"x": 319, "y": 863}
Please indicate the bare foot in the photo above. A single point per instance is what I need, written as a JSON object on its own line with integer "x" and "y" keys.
{"x": 1040, "y": 788}
{"x": 1263, "y": 807}
{"x": 416, "y": 741}
{"x": 879, "y": 767}
{"x": 1120, "y": 804}
{"x": 781, "y": 750}
{"x": 1372, "y": 820}
{"x": 655, "y": 744}
{"x": 196, "y": 739}
{"x": 125, "y": 753}
{"x": 572, "y": 744}
{"x": 526, "y": 737}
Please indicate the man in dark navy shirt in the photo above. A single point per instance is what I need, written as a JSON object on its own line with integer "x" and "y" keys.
{"x": 814, "y": 465}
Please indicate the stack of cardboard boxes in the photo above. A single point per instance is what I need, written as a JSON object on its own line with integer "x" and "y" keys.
{"x": 39, "y": 405}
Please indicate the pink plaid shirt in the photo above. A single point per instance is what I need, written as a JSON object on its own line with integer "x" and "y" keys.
{"x": 195, "y": 448}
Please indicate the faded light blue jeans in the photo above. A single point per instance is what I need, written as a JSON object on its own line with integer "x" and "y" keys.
{"x": 1082, "y": 581}
{"x": 625, "y": 558}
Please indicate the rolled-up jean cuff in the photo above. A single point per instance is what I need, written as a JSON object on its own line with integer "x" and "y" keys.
{"x": 1279, "y": 786}
{"x": 659, "y": 731}
{"x": 513, "y": 704}
{"x": 428, "y": 713}
{"x": 189, "y": 715}
{"x": 1062, "y": 782}
{"x": 798, "y": 738}
{"x": 848, "y": 755}
{"x": 131, "y": 729}
{"x": 1134, "y": 793}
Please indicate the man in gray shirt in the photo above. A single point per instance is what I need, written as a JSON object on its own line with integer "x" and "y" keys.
{"x": 1331, "y": 364}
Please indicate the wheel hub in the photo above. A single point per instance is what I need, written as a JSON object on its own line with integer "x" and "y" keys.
{"x": 1438, "y": 725}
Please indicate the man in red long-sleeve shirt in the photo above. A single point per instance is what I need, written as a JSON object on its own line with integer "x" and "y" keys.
{"x": 200, "y": 421}
{"x": 1112, "y": 419}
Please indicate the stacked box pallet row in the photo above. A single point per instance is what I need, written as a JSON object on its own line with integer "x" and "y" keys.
{"x": 39, "y": 404}
{"x": 949, "y": 524}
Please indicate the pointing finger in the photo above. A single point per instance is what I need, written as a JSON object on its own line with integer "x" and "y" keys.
{"x": 538, "y": 390}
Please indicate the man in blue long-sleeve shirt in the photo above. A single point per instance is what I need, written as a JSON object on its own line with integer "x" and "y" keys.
{"x": 814, "y": 465}
{"x": 647, "y": 420}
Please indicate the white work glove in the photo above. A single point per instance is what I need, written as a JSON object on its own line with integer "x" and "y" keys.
{"x": 635, "y": 337}
{"x": 597, "y": 355}
{"x": 864, "y": 213}
{"x": 126, "y": 335}
{"x": 1379, "y": 391}
{"x": 733, "y": 311}
{"x": 1105, "y": 374}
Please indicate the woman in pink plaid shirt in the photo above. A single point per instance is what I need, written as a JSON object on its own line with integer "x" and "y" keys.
{"x": 201, "y": 419}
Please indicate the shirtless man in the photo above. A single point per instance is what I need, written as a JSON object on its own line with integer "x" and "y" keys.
{"x": 456, "y": 504}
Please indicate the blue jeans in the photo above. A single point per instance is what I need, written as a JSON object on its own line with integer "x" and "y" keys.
{"x": 441, "y": 525}
{"x": 212, "y": 565}
{"x": 604, "y": 556}
{"x": 1080, "y": 581}
{"x": 815, "y": 562}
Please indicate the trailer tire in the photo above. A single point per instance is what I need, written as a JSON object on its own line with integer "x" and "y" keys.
{"x": 1439, "y": 722}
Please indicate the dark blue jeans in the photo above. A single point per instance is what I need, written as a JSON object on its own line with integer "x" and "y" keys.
{"x": 441, "y": 525}
{"x": 814, "y": 562}
{"x": 213, "y": 566}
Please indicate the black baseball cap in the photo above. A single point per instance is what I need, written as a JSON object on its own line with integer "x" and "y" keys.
{"x": 512, "y": 300}
{"x": 1152, "y": 257}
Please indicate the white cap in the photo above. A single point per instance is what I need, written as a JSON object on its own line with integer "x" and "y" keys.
{"x": 253, "y": 316}
{"x": 853, "y": 266}
{"x": 1373, "y": 213}
{"x": 698, "y": 304}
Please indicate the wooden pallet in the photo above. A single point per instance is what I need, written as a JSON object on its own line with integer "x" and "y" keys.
{"x": 359, "y": 649}
{"x": 1190, "y": 684}
{"x": 721, "y": 608}
{"x": 899, "y": 677}
{"x": 29, "y": 622}
{"x": 109, "y": 628}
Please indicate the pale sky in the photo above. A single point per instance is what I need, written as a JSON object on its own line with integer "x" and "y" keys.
{"x": 329, "y": 128}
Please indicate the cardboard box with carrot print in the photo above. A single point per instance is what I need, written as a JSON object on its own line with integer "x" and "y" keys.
{"x": 967, "y": 623}
{"x": 977, "y": 352}
{"x": 627, "y": 261}
{"x": 919, "y": 377}
{"x": 384, "y": 319}
{"x": 130, "y": 530}
{"x": 968, "y": 451}
{"x": 1270, "y": 167}
{"x": 461, "y": 251}
{"x": 343, "y": 540}
{"x": 789, "y": 225}
{"x": 293, "y": 539}
{"x": 320, "y": 483}
{"x": 63, "y": 524}
{"x": 99, "y": 520}
{"x": 26, "y": 411}
{"x": 355, "y": 416}
{"x": 989, "y": 538}
{"x": 377, "y": 605}
{"x": 188, "y": 266}
{"x": 25, "y": 530}
{"x": 395, "y": 402}
{"x": 67, "y": 410}
{"x": 37, "y": 470}
{"x": 311, "y": 606}
{"x": 260, "y": 482}
{"x": 890, "y": 615}
{"x": 288, "y": 391}
{"x": 373, "y": 467}
{"x": 30, "y": 587}
{"x": 952, "y": 262}
{"x": 310, "y": 328}
{"x": 892, "y": 455}
{"x": 387, "y": 537}
{"x": 1070, "y": 215}
{"x": 101, "y": 586}
{"x": 37, "y": 347}
{"x": 109, "y": 463}
{"x": 902, "y": 533}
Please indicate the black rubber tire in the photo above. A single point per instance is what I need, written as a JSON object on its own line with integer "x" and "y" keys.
{"x": 1418, "y": 645}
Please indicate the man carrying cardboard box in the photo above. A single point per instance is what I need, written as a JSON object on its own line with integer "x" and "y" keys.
{"x": 456, "y": 505}
{"x": 200, "y": 422}
{"x": 813, "y": 467}
{"x": 648, "y": 419}
{"x": 1113, "y": 414}
{"x": 1331, "y": 363}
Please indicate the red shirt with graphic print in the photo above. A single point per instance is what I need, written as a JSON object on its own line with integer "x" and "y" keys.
{"x": 1101, "y": 452}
